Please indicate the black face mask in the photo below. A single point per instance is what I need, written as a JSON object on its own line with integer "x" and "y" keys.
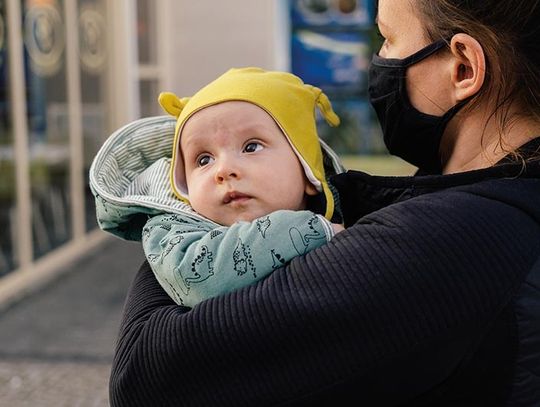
{"x": 408, "y": 133}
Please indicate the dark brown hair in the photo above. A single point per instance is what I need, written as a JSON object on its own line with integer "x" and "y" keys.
{"x": 509, "y": 32}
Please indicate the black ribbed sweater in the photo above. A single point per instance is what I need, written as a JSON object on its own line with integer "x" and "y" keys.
{"x": 417, "y": 302}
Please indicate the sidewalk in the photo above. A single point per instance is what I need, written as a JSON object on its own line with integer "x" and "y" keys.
{"x": 56, "y": 346}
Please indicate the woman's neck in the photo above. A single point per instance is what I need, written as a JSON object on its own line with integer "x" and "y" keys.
{"x": 477, "y": 145}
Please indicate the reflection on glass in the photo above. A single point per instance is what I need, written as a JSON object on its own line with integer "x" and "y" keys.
{"x": 146, "y": 34}
{"x": 48, "y": 123}
{"x": 347, "y": 6}
{"x": 316, "y": 6}
{"x": 7, "y": 165}
{"x": 148, "y": 94}
{"x": 93, "y": 62}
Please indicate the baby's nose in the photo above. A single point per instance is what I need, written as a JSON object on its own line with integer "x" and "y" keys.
{"x": 225, "y": 170}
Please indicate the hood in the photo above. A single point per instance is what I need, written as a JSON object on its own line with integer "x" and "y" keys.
{"x": 129, "y": 177}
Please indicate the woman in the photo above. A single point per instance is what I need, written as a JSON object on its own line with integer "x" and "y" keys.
{"x": 431, "y": 295}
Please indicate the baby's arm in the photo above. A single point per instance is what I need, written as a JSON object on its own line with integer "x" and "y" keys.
{"x": 194, "y": 262}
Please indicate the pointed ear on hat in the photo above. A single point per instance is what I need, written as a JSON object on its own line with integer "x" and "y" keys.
{"x": 324, "y": 105}
{"x": 171, "y": 103}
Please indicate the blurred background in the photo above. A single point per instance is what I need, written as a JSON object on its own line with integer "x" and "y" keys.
{"x": 73, "y": 71}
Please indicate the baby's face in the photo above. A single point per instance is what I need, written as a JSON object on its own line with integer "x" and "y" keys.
{"x": 239, "y": 165}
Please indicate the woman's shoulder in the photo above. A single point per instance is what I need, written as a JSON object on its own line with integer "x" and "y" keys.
{"x": 490, "y": 191}
{"x": 498, "y": 201}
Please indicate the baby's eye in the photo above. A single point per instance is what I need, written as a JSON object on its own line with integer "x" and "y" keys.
{"x": 252, "y": 147}
{"x": 203, "y": 160}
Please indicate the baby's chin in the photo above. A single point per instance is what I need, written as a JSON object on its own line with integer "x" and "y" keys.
{"x": 230, "y": 219}
{"x": 241, "y": 217}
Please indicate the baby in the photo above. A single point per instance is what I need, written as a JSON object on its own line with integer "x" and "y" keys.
{"x": 247, "y": 158}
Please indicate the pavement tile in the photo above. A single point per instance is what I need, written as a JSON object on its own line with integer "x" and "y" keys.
{"x": 56, "y": 346}
{"x": 29, "y": 383}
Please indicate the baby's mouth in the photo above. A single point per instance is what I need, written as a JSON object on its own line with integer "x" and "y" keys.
{"x": 235, "y": 196}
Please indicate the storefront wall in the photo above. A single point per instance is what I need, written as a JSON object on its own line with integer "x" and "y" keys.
{"x": 55, "y": 112}
{"x": 209, "y": 37}
{"x": 72, "y": 71}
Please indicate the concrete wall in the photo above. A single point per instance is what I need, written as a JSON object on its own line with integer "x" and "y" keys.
{"x": 208, "y": 37}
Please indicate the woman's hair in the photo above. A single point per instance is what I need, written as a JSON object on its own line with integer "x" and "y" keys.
{"x": 509, "y": 32}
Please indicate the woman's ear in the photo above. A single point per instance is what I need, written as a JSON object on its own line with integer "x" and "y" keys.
{"x": 469, "y": 66}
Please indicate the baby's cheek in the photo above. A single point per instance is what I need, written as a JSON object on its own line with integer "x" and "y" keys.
{"x": 200, "y": 204}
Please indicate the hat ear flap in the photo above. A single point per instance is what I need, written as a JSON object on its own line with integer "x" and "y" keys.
{"x": 324, "y": 105}
{"x": 171, "y": 103}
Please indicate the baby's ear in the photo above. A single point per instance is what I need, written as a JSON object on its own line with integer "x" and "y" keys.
{"x": 171, "y": 103}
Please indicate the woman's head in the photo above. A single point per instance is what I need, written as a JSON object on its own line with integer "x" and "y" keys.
{"x": 477, "y": 60}
{"x": 509, "y": 33}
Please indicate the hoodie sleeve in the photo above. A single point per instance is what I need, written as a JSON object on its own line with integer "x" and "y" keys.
{"x": 194, "y": 261}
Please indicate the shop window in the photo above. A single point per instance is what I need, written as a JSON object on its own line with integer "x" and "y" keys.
{"x": 93, "y": 61}
{"x": 146, "y": 31}
{"x": 48, "y": 123}
{"x": 148, "y": 91}
{"x": 149, "y": 65}
{"x": 8, "y": 259}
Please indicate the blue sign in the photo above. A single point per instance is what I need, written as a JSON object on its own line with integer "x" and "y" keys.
{"x": 331, "y": 59}
{"x": 331, "y": 49}
{"x": 340, "y": 13}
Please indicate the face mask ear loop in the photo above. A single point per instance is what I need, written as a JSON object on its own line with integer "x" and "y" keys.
{"x": 171, "y": 103}
{"x": 325, "y": 107}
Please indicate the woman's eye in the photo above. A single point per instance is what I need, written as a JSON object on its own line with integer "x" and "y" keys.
{"x": 203, "y": 160}
{"x": 252, "y": 147}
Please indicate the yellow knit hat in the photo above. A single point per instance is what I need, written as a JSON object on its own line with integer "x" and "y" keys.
{"x": 284, "y": 96}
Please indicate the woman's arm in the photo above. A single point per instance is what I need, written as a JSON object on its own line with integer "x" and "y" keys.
{"x": 384, "y": 312}
{"x": 194, "y": 261}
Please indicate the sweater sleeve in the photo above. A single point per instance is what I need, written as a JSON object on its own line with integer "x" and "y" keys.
{"x": 194, "y": 262}
{"x": 389, "y": 309}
